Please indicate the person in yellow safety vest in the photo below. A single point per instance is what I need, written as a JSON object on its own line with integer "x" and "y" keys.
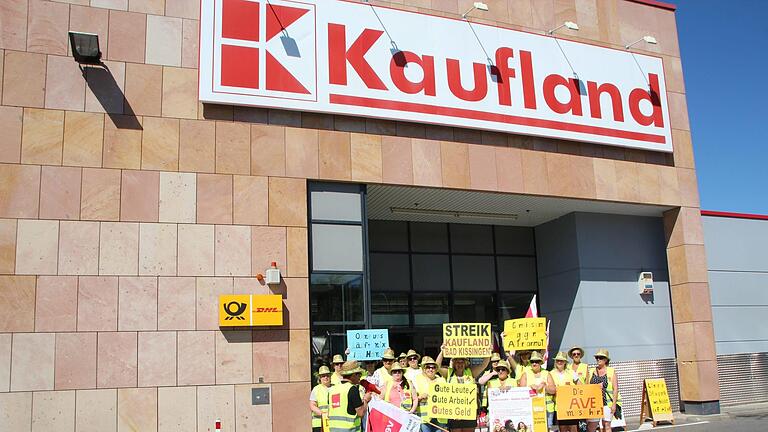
{"x": 403, "y": 360}
{"x": 489, "y": 375}
{"x": 337, "y": 361}
{"x": 347, "y": 406}
{"x": 559, "y": 376}
{"x": 536, "y": 379}
{"x": 422, "y": 382}
{"x": 413, "y": 369}
{"x": 460, "y": 371}
{"x": 381, "y": 375}
{"x": 577, "y": 368}
{"x": 398, "y": 391}
{"x": 606, "y": 377}
{"x": 503, "y": 382}
{"x": 318, "y": 399}
{"x": 522, "y": 365}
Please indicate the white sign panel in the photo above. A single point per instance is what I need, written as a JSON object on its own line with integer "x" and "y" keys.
{"x": 358, "y": 59}
{"x": 509, "y": 408}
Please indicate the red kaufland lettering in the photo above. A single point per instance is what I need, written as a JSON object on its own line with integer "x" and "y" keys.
{"x": 503, "y": 72}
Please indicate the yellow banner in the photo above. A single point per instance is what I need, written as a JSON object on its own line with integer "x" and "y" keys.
{"x": 467, "y": 340}
{"x": 525, "y": 334}
{"x": 539, "y": 414}
{"x": 247, "y": 310}
{"x": 658, "y": 396}
{"x": 579, "y": 402}
{"x": 452, "y": 401}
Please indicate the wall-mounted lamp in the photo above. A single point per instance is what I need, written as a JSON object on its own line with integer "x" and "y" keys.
{"x": 648, "y": 39}
{"x": 568, "y": 24}
{"x": 85, "y": 47}
{"x": 476, "y": 5}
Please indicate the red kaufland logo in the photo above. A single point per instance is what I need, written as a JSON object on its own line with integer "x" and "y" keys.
{"x": 354, "y": 58}
{"x": 266, "y": 48}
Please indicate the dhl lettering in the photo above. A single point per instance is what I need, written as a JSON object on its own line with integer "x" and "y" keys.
{"x": 261, "y": 309}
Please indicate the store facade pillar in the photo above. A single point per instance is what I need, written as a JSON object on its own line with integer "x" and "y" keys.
{"x": 692, "y": 311}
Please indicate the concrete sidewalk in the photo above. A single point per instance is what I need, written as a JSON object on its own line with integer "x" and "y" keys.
{"x": 739, "y": 418}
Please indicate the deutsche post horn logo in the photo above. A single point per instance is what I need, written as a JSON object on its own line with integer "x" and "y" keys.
{"x": 236, "y": 314}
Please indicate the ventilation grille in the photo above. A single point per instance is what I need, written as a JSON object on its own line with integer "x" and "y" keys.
{"x": 631, "y": 375}
{"x": 735, "y": 370}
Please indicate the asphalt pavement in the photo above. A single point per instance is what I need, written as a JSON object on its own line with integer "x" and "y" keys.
{"x": 743, "y": 418}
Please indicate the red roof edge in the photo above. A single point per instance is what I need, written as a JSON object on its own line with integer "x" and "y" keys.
{"x": 734, "y": 215}
{"x": 656, "y": 3}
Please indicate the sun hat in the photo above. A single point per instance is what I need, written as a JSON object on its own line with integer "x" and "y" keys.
{"x": 402, "y": 355}
{"x": 503, "y": 364}
{"x": 338, "y": 359}
{"x": 412, "y": 353}
{"x": 561, "y": 356}
{"x": 389, "y": 354}
{"x": 396, "y": 367}
{"x": 495, "y": 357}
{"x": 602, "y": 352}
{"x": 323, "y": 371}
{"x": 427, "y": 360}
{"x": 536, "y": 357}
{"x": 574, "y": 348}
{"x": 350, "y": 367}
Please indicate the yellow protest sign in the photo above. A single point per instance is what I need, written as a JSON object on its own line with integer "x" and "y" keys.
{"x": 247, "y": 310}
{"x": 579, "y": 402}
{"x": 655, "y": 404}
{"x": 467, "y": 340}
{"x": 525, "y": 334}
{"x": 539, "y": 414}
{"x": 452, "y": 401}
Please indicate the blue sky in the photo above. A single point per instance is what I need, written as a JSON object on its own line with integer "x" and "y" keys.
{"x": 724, "y": 49}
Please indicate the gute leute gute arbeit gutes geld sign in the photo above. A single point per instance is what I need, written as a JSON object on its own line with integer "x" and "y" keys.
{"x": 358, "y": 59}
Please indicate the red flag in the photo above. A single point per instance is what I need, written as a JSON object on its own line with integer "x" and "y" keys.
{"x": 369, "y": 387}
{"x": 533, "y": 312}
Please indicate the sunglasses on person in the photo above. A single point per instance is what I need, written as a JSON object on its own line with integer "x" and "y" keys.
{"x": 600, "y": 358}
{"x": 576, "y": 354}
{"x": 397, "y": 371}
{"x": 414, "y": 358}
{"x": 387, "y": 361}
{"x": 501, "y": 370}
{"x": 430, "y": 367}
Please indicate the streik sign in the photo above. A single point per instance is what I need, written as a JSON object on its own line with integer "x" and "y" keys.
{"x": 354, "y": 58}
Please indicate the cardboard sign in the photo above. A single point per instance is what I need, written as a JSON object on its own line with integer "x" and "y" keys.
{"x": 361, "y": 59}
{"x": 655, "y": 404}
{"x": 579, "y": 402}
{"x": 250, "y": 310}
{"x": 509, "y": 407}
{"x": 467, "y": 340}
{"x": 452, "y": 401}
{"x": 539, "y": 404}
{"x": 367, "y": 344}
{"x": 525, "y": 334}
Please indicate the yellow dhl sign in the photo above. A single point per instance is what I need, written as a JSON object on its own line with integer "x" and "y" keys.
{"x": 246, "y": 310}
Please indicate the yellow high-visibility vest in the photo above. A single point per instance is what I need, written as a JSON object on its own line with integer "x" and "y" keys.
{"x": 321, "y": 393}
{"x": 338, "y": 418}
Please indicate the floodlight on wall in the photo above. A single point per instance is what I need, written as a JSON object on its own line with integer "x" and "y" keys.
{"x": 476, "y": 5}
{"x": 452, "y": 213}
{"x": 647, "y": 39}
{"x": 568, "y": 24}
{"x": 85, "y": 47}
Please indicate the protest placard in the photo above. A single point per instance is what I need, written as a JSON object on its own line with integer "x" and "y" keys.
{"x": 452, "y": 401}
{"x": 367, "y": 344}
{"x": 467, "y": 340}
{"x": 579, "y": 402}
{"x": 525, "y": 334}
{"x": 383, "y": 416}
{"x": 655, "y": 404}
{"x": 509, "y": 409}
{"x": 539, "y": 404}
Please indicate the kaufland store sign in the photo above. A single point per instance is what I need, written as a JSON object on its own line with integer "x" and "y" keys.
{"x": 354, "y": 58}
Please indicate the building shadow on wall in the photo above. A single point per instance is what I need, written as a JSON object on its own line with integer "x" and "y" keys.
{"x": 102, "y": 84}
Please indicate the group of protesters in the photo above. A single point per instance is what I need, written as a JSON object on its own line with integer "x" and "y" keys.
{"x": 343, "y": 394}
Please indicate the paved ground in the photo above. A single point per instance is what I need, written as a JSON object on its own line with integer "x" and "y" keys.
{"x": 746, "y": 418}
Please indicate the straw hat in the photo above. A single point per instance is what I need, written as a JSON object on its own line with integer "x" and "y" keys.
{"x": 574, "y": 348}
{"x": 389, "y": 354}
{"x": 503, "y": 364}
{"x": 338, "y": 359}
{"x": 402, "y": 356}
{"x": 602, "y": 352}
{"x": 495, "y": 357}
{"x": 396, "y": 367}
{"x": 350, "y": 367}
{"x": 561, "y": 356}
{"x": 413, "y": 353}
{"x": 323, "y": 371}
{"x": 536, "y": 357}
{"x": 427, "y": 360}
